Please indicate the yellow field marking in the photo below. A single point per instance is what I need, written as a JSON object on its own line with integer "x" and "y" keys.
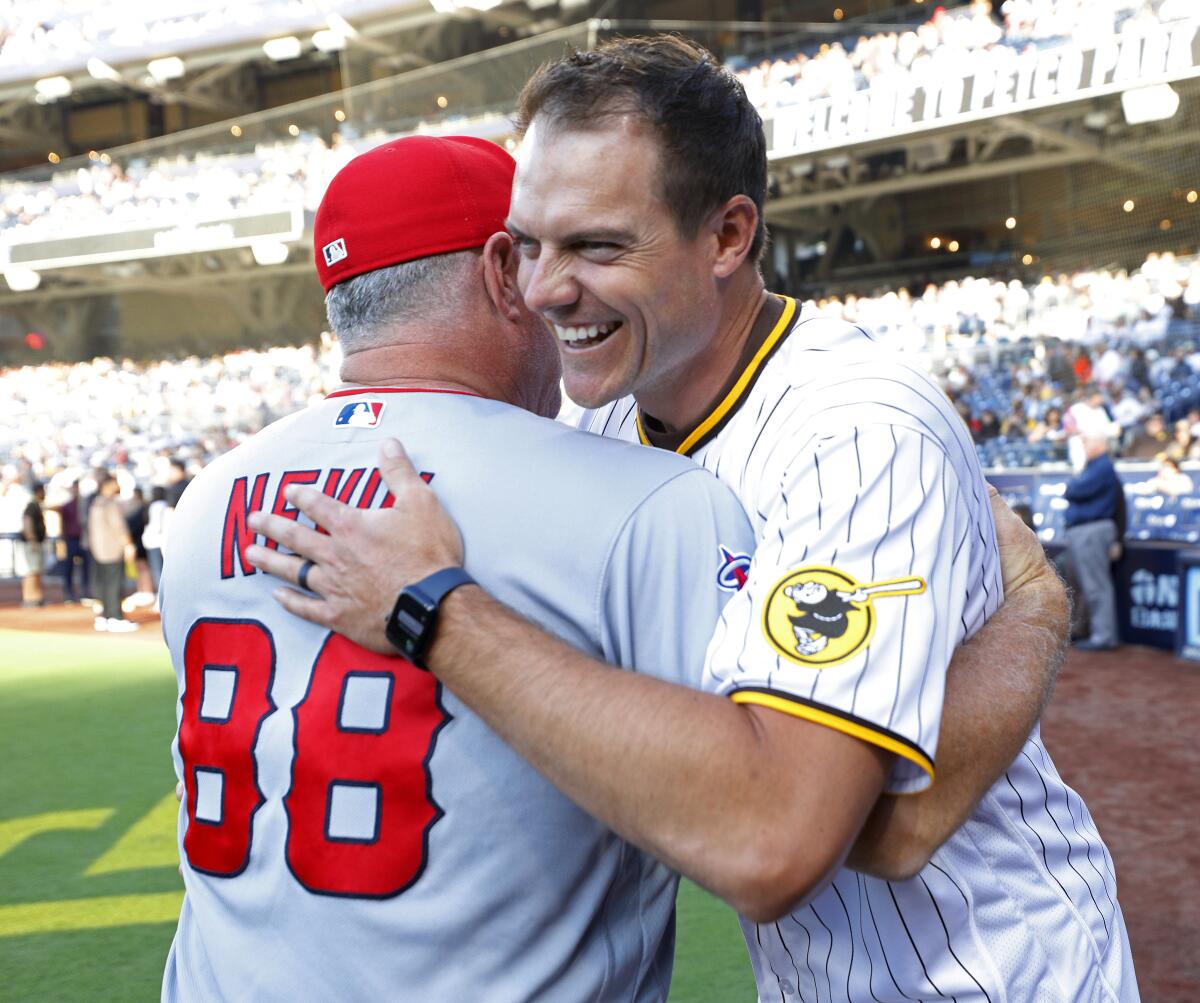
{"x": 89, "y": 914}
{"x": 15, "y": 831}
{"x": 150, "y": 842}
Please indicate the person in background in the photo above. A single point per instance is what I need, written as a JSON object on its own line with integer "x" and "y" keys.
{"x": 135, "y": 518}
{"x": 1093, "y": 497}
{"x": 1168, "y": 480}
{"x": 1183, "y": 446}
{"x": 178, "y": 482}
{"x": 72, "y": 532}
{"x": 988, "y": 427}
{"x": 111, "y": 547}
{"x": 31, "y": 550}
{"x": 1050, "y": 428}
{"x": 155, "y": 533}
{"x": 1150, "y": 440}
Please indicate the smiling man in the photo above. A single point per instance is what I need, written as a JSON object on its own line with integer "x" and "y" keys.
{"x": 637, "y": 211}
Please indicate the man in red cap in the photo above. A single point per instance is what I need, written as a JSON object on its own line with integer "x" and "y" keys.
{"x": 349, "y": 829}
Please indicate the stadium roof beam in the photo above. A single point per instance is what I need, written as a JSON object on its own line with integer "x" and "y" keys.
{"x": 1059, "y": 137}
{"x": 154, "y": 281}
{"x": 1035, "y": 161}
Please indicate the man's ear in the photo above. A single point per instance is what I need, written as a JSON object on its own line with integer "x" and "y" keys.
{"x": 733, "y": 225}
{"x": 500, "y": 276}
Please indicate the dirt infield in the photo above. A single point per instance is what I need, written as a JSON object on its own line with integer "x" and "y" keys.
{"x": 1122, "y": 730}
{"x": 59, "y": 618}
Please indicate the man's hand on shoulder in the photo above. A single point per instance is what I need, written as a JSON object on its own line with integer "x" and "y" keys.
{"x": 364, "y": 558}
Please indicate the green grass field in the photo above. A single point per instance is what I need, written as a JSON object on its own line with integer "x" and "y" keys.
{"x": 89, "y": 890}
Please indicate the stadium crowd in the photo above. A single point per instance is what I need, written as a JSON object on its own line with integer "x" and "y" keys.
{"x": 295, "y": 169}
{"x": 952, "y": 42}
{"x": 105, "y": 195}
{"x": 1110, "y": 353}
{"x": 1020, "y": 360}
{"x": 129, "y": 435}
{"x": 58, "y": 34}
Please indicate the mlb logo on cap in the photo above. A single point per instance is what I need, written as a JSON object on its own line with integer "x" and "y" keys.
{"x": 360, "y": 414}
{"x": 335, "y": 251}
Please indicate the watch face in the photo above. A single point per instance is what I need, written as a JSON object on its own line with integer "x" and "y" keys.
{"x": 409, "y": 623}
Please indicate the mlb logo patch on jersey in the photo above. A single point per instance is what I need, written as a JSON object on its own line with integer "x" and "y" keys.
{"x": 359, "y": 414}
{"x": 335, "y": 251}
{"x": 734, "y": 570}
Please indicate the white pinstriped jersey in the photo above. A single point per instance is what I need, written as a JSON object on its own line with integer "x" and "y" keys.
{"x": 875, "y": 557}
{"x": 353, "y": 832}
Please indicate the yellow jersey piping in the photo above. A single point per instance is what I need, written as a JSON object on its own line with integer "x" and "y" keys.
{"x": 839, "y": 721}
{"x": 725, "y": 409}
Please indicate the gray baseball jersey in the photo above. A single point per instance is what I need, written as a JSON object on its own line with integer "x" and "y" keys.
{"x": 875, "y": 556}
{"x": 351, "y": 831}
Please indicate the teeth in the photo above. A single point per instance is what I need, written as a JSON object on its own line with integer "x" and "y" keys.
{"x": 585, "y": 333}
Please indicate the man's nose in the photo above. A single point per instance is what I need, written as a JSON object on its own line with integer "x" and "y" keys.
{"x": 550, "y": 285}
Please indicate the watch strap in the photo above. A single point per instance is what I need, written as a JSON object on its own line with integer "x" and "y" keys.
{"x": 411, "y": 634}
{"x": 437, "y": 586}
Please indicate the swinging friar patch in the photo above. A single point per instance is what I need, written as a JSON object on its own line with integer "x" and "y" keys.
{"x": 819, "y": 616}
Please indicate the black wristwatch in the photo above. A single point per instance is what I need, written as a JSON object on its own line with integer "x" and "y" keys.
{"x": 412, "y": 621}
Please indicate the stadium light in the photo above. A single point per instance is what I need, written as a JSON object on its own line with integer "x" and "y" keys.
{"x": 52, "y": 88}
{"x": 328, "y": 40}
{"x": 167, "y": 68}
{"x": 1010, "y": 223}
{"x": 1149, "y": 104}
{"x": 280, "y": 49}
{"x": 339, "y": 24}
{"x": 450, "y": 6}
{"x": 100, "y": 70}
{"x": 22, "y": 280}
{"x": 269, "y": 252}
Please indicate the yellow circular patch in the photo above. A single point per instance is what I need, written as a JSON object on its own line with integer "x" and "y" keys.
{"x": 819, "y": 616}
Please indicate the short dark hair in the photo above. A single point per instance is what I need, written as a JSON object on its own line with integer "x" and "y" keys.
{"x": 713, "y": 145}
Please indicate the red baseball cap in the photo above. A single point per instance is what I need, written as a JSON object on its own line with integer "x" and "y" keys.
{"x": 411, "y": 198}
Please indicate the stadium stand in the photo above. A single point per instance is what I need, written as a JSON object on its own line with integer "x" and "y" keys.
{"x": 951, "y": 41}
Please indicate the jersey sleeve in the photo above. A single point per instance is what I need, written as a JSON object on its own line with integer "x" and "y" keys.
{"x": 855, "y": 597}
{"x": 675, "y": 562}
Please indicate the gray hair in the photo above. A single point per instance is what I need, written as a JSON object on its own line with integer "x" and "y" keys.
{"x": 362, "y": 308}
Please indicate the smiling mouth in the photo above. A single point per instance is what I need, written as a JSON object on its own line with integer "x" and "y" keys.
{"x": 584, "y": 335}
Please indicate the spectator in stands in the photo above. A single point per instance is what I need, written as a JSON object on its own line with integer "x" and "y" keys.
{"x": 1139, "y": 370}
{"x": 1168, "y": 480}
{"x": 987, "y": 427}
{"x": 178, "y": 481}
{"x": 154, "y": 536}
{"x": 111, "y": 547}
{"x": 1183, "y": 445}
{"x": 1093, "y": 497}
{"x": 1050, "y": 428}
{"x": 1150, "y": 440}
{"x": 31, "y": 549}
{"x": 72, "y": 534}
{"x": 1127, "y": 410}
{"x": 1015, "y": 425}
{"x": 1081, "y": 365}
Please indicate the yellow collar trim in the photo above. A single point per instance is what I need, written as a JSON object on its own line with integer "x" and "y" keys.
{"x": 738, "y": 389}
